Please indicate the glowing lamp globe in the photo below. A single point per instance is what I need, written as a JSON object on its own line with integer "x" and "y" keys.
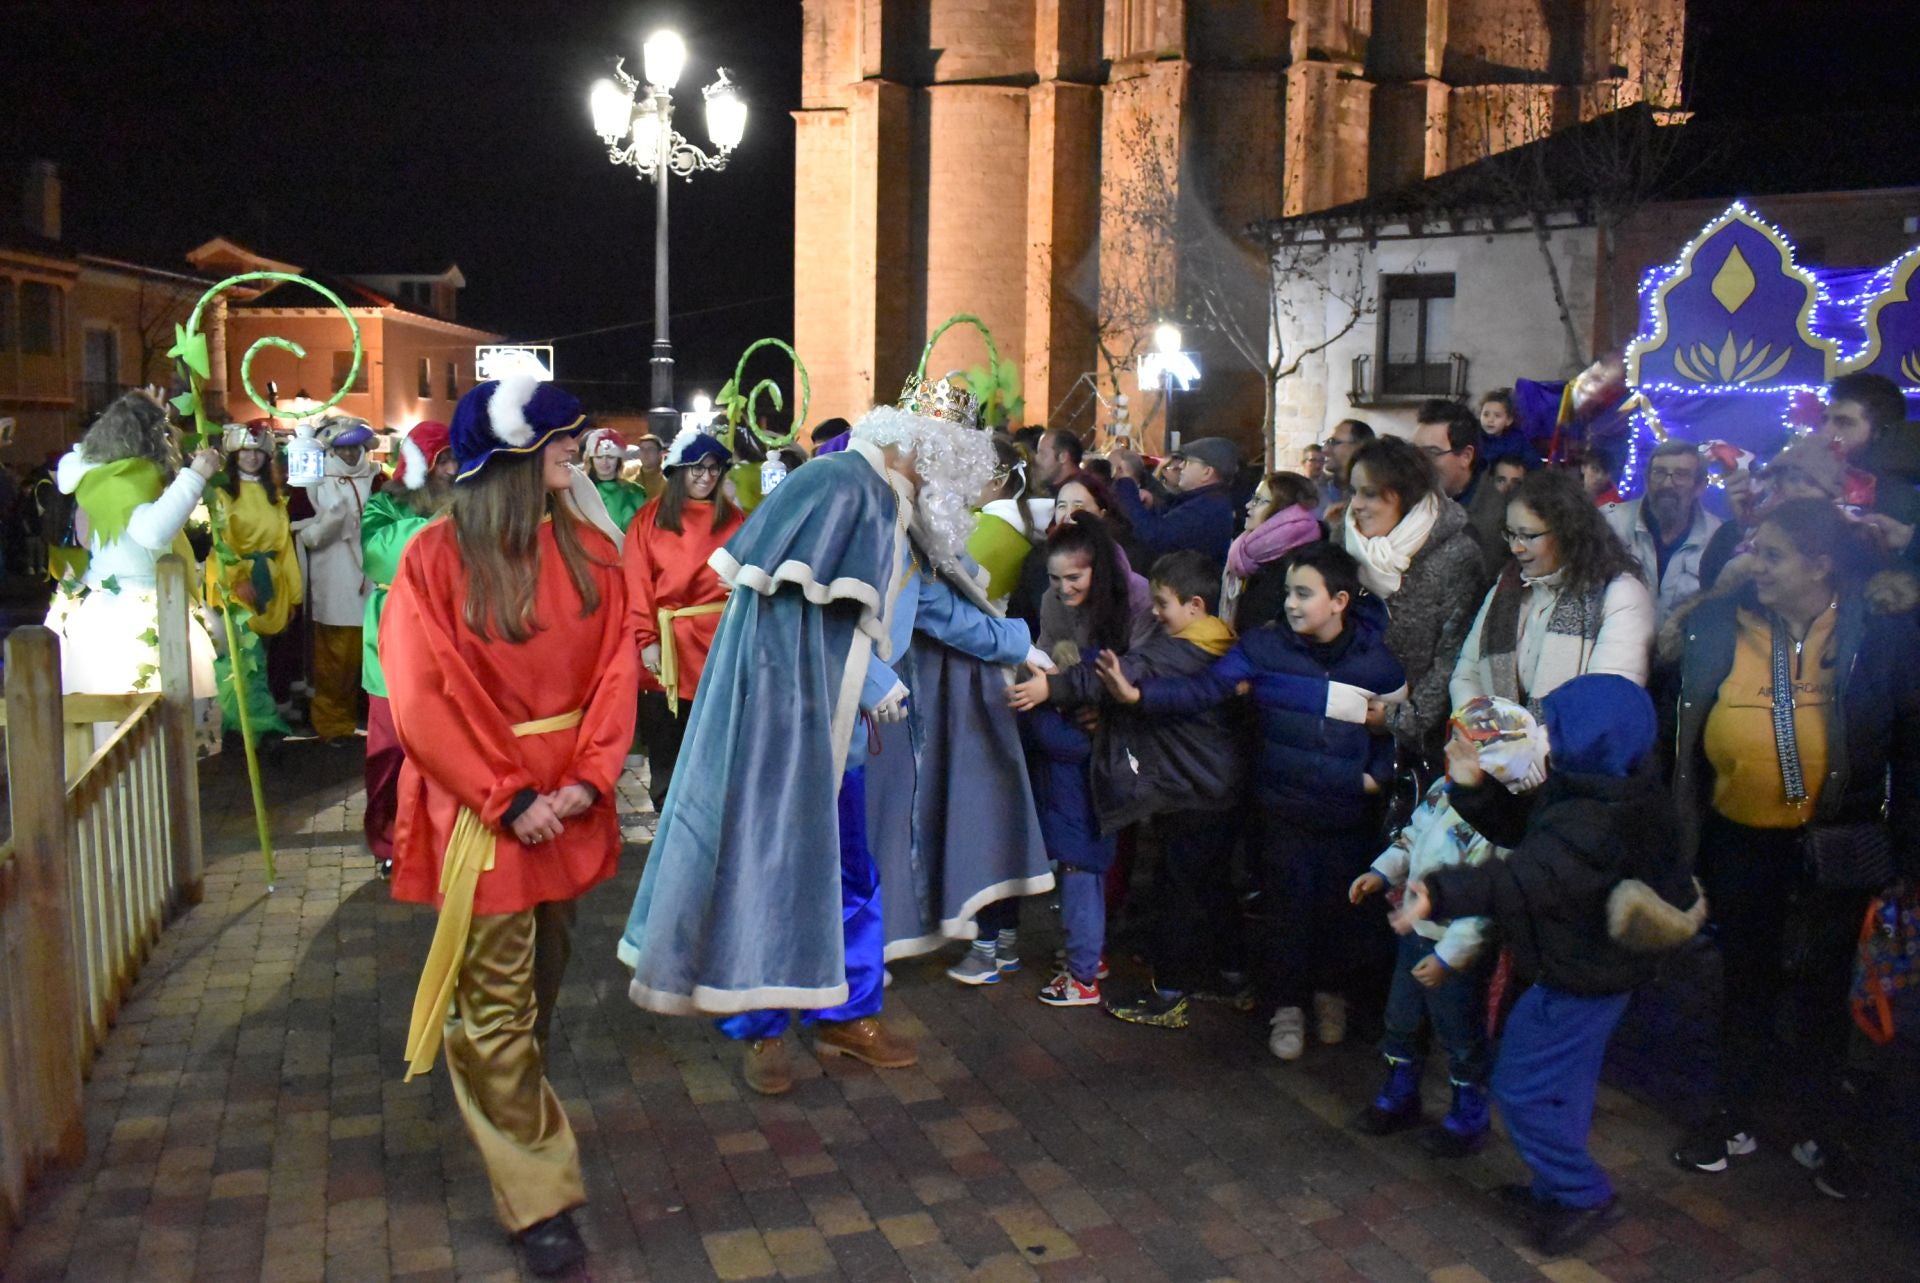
{"x": 612, "y": 110}
{"x": 646, "y": 128}
{"x": 1166, "y": 338}
{"x": 664, "y": 57}
{"x": 726, "y": 116}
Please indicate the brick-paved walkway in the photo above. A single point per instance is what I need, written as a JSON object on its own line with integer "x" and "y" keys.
{"x": 248, "y": 1121}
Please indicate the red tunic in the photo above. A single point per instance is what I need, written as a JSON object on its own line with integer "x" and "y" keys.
{"x": 669, "y": 571}
{"x": 455, "y": 699}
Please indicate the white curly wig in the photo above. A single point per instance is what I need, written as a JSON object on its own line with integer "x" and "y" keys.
{"x": 955, "y": 464}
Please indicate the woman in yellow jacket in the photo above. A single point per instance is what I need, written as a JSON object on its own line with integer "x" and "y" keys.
{"x": 262, "y": 585}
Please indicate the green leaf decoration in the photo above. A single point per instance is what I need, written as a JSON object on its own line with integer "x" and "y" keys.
{"x": 190, "y": 346}
{"x": 110, "y": 584}
{"x": 997, "y": 384}
{"x": 186, "y": 403}
{"x": 732, "y": 402}
{"x": 149, "y": 638}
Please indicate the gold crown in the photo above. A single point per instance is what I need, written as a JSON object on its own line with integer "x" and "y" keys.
{"x": 943, "y": 399}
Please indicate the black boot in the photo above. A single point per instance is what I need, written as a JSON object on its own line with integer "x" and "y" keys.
{"x": 553, "y": 1246}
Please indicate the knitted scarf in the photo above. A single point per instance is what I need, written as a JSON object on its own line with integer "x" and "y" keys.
{"x": 1577, "y": 615}
{"x": 1384, "y": 558}
{"x": 1266, "y": 543}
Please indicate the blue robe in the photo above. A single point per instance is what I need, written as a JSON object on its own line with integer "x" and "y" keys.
{"x": 950, "y": 809}
{"x": 741, "y": 905}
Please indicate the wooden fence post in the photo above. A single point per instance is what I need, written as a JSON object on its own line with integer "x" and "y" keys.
{"x": 183, "y": 770}
{"x": 37, "y": 776}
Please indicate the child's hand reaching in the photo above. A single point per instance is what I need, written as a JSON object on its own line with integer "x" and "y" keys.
{"x": 1025, "y": 696}
{"x": 1107, "y": 667}
{"x": 1463, "y": 761}
{"x": 1414, "y": 907}
{"x": 1368, "y": 883}
{"x": 1431, "y": 972}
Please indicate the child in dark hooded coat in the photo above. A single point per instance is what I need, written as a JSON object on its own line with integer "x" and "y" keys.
{"x": 1588, "y": 899}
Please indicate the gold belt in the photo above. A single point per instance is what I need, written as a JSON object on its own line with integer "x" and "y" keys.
{"x": 469, "y": 853}
{"x": 670, "y": 651}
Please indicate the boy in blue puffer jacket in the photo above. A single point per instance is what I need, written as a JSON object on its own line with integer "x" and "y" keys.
{"x": 1317, "y": 774}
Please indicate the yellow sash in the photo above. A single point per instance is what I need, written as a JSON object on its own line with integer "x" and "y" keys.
{"x": 469, "y": 853}
{"x": 670, "y": 652}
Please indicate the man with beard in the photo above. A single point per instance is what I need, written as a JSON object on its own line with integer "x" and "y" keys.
{"x": 1666, "y": 528}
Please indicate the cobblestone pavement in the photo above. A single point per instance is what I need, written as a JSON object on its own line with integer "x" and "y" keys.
{"x": 247, "y": 1120}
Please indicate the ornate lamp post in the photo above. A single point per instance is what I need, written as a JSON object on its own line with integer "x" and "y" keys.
{"x": 636, "y": 123}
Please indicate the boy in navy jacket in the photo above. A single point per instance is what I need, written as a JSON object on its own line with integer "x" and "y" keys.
{"x": 1316, "y": 778}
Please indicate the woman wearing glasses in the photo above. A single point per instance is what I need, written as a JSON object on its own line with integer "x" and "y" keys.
{"x": 1570, "y": 602}
{"x": 673, "y": 597}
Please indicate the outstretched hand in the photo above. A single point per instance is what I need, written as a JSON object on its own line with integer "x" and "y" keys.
{"x": 1368, "y": 883}
{"x": 1114, "y": 678}
{"x": 1024, "y": 697}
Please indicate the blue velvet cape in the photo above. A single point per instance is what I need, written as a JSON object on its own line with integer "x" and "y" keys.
{"x": 950, "y": 810}
{"x": 739, "y": 907}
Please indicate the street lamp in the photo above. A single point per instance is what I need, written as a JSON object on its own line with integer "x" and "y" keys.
{"x": 636, "y": 123}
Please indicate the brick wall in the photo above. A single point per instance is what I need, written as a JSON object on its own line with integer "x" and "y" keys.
{"x": 977, "y": 176}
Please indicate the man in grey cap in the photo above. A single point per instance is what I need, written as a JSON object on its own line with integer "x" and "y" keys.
{"x": 1204, "y": 519}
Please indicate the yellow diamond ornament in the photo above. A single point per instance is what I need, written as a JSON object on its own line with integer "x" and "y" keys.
{"x": 1733, "y": 283}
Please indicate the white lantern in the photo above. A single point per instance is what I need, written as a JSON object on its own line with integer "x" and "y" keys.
{"x": 612, "y": 111}
{"x": 306, "y": 458}
{"x": 664, "y": 56}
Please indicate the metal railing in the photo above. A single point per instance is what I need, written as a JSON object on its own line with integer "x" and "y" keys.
{"x": 105, "y": 848}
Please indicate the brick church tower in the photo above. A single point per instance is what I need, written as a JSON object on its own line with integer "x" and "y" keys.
{"x": 1047, "y": 163}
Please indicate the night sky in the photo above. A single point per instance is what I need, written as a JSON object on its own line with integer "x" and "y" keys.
{"x": 408, "y": 134}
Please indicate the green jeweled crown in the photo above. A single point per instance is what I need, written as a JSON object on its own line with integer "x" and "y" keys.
{"x": 941, "y": 399}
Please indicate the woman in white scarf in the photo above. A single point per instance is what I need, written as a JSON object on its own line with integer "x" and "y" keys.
{"x": 1417, "y": 553}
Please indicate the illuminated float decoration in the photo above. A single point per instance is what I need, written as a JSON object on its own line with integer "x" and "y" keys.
{"x": 1738, "y": 339}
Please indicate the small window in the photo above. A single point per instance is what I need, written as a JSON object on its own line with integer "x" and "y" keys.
{"x": 453, "y": 381}
{"x": 1416, "y": 335}
{"x": 39, "y": 319}
{"x": 426, "y": 379}
{"x": 6, "y": 314}
{"x": 342, "y": 362}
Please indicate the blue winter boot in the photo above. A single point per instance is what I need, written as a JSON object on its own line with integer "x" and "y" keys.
{"x": 1464, "y": 1130}
{"x": 1397, "y": 1107}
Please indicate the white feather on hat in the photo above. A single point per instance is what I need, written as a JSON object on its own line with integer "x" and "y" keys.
{"x": 507, "y": 409}
{"x": 416, "y": 462}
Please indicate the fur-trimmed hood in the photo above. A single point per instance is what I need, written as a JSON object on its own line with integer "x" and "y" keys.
{"x": 1642, "y": 920}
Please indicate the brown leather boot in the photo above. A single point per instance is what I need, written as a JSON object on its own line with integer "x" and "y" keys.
{"x": 768, "y": 1071}
{"x": 866, "y": 1040}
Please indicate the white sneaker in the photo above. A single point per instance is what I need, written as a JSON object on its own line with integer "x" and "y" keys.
{"x": 1289, "y": 1038}
{"x": 1330, "y": 1018}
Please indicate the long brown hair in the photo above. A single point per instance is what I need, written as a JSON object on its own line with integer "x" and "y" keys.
{"x": 269, "y": 474}
{"x": 496, "y": 525}
{"x": 675, "y": 498}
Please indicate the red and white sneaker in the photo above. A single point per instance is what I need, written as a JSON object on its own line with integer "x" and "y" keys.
{"x": 1064, "y": 991}
{"x": 1060, "y": 961}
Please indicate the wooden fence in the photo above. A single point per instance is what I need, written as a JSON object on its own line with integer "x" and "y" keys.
{"x": 105, "y": 848}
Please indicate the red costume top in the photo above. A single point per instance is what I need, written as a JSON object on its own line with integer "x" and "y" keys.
{"x": 456, "y": 698}
{"x": 666, "y": 571}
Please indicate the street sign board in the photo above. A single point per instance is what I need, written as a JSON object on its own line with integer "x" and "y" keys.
{"x": 498, "y": 360}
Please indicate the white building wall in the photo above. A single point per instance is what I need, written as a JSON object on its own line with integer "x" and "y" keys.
{"x": 1505, "y": 321}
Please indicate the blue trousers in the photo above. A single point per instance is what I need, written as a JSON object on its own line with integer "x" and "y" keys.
{"x": 1455, "y": 1014}
{"x": 1083, "y": 916}
{"x": 1545, "y": 1079}
{"x": 860, "y": 918}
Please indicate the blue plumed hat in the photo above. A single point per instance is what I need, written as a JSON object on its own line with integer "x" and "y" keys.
{"x": 514, "y": 415}
{"x": 691, "y": 446}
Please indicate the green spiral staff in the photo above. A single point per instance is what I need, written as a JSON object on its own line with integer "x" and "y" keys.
{"x": 739, "y": 406}
{"x": 958, "y": 318}
{"x": 190, "y": 349}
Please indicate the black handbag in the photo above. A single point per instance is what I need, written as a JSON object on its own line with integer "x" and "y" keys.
{"x": 1839, "y": 857}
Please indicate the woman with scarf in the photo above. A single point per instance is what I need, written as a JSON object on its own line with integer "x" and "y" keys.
{"x": 1418, "y": 555}
{"x": 674, "y": 598}
{"x": 1280, "y": 518}
{"x": 423, "y": 490}
{"x": 135, "y": 498}
{"x": 1570, "y": 602}
{"x": 263, "y": 587}
{"x": 510, "y": 671}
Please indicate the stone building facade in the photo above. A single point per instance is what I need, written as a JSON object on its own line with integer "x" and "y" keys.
{"x": 1056, "y": 166}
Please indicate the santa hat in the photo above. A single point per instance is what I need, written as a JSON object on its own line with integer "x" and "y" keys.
{"x": 514, "y": 415}
{"x": 418, "y": 451}
{"x": 604, "y": 443}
